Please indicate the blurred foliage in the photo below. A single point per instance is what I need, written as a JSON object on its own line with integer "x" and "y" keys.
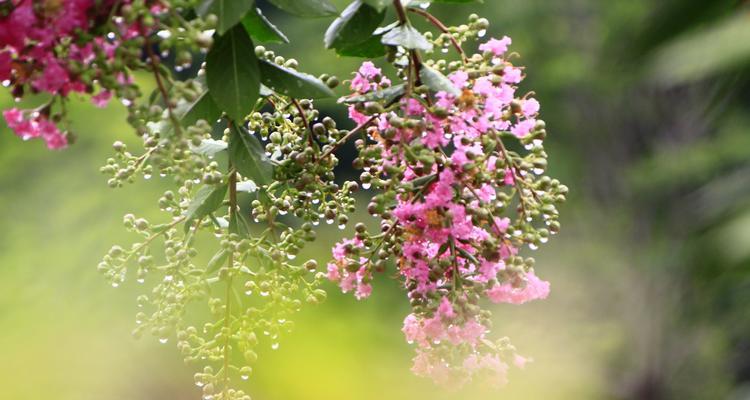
{"x": 651, "y": 276}
{"x": 721, "y": 47}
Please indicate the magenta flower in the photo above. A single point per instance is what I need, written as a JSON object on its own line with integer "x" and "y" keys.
{"x": 533, "y": 289}
{"x": 452, "y": 244}
{"x": 498, "y": 47}
{"x": 37, "y": 126}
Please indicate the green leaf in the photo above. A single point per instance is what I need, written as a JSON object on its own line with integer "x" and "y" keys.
{"x": 248, "y": 156}
{"x": 292, "y": 83}
{"x": 232, "y": 73}
{"x": 230, "y": 12}
{"x": 239, "y": 224}
{"x": 421, "y": 3}
{"x": 217, "y": 260}
{"x": 306, "y": 8}
{"x": 437, "y": 81}
{"x": 202, "y": 108}
{"x": 265, "y": 91}
{"x": 379, "y": 5}
{"x": 206, "y": 201}
{"x": 355, "y": 25}
{"x": 209, "y": 147}
{"x": 387, "y": 95}
{"x": 188, "y": 114}
{"x": 465, "y": 254}
{"x": 371, "y": 48}
{"x": 407, "y": 37}
{"x": 458, "y": 1}
{"x": 260, "y": 28}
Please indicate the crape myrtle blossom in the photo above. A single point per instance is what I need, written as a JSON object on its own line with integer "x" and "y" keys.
{"x": 64, "y": 47}
{"x": 36, "y": 125}
{"x": 453, "y": 152}
{"x": 458, "y": 203}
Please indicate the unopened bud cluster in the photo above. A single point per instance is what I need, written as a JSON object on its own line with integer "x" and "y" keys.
{"x": 251, "y": 286}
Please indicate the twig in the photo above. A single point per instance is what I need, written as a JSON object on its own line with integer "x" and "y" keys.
{"x": 306, "y": 123}
{"x": 348, "y": 136}
{"x": 442, "y": 28}
{"x": 415, "y": 59}
{"x": 230, "y": 265}
{"x": 155, "y": 62}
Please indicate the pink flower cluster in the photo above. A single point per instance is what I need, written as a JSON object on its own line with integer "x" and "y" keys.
{"x": 35, "y": 126}
{"x": 54, "y": 47}
{"x": 450, "y": 255}
{"x": 355, "y": 278}
{"x": 534, "y": 289}
{"x": 446, "y": 326}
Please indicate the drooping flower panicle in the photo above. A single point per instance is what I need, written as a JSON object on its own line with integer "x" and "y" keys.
{"x": 459, "y": 200}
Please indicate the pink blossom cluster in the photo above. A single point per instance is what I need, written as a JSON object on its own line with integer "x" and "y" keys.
{"x": 448, "y": 326}
{"x": 35, "y": 126}
{"x": 355, "y": 278}
{"x": 450, "y": 255}
{"x": 59, "y": 47}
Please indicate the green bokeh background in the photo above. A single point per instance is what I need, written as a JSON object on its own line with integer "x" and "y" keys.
{"x": 650, "y": 275}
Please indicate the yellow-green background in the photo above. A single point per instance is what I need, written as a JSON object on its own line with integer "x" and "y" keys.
{"x": 649, "y": 276}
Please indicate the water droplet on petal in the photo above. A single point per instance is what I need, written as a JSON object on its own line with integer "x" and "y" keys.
{"x": 275, "y": 346}
{"x": 163, "y": 340}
